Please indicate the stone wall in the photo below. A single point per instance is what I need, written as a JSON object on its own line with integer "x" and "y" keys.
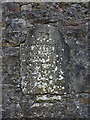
{"x": 45, "y": 64}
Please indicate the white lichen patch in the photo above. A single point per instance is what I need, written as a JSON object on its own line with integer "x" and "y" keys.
{"x": 48, "y": 25}
{"x": 47, "y": 104}
{"x": 61, "y": 77}
{"x": 50, "y": 76}
{"x": 63, "y": 88}
{"x": 24, "y": 89}
{"x": 24, "y": 83}
{"x": 32, "y": 47}
{"x": 50, "y": 81}
{"x": 77, "y": 106}
{"x": 56, "y": 68}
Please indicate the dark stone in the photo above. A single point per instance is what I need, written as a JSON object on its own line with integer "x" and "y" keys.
{"x": 14, "y": 7}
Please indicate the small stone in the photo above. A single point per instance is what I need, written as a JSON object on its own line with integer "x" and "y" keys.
{"x": 14, "y": 7}
{"x": 26, "y": 7}
{"x": 77, "y": 42}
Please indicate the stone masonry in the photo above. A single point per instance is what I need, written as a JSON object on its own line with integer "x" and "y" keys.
{"x": 45, "y": 61}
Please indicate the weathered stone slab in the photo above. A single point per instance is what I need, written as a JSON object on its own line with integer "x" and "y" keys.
{"x": 41, "y": 58}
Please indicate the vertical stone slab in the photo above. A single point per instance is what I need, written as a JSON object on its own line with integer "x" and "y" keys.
{"x": 41, "y": 58}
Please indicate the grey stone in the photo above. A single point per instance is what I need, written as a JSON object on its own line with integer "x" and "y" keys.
{"x": 26, "y": 7}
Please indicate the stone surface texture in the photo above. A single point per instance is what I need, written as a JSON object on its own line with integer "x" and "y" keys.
{"x": 45, "y": 60}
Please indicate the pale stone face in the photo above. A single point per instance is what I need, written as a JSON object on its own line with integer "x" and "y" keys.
{"x": 39, "y": 69}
